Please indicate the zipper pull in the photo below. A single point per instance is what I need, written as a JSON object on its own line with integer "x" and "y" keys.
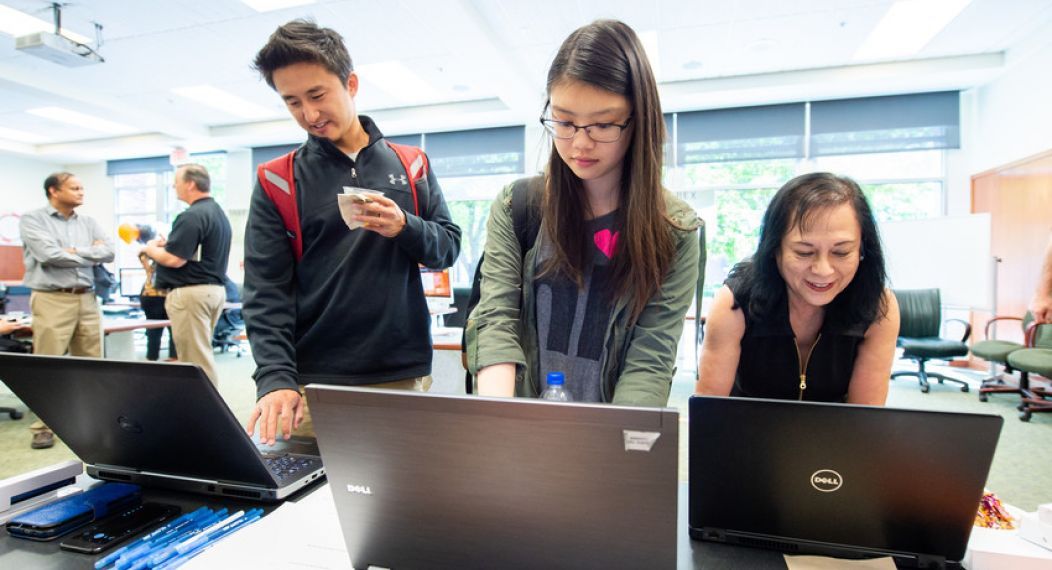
{"x": 803, "y": 382}
{"x": 354, "y": 174}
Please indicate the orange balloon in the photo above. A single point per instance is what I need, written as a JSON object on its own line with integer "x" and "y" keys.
{"x": 128, "y": 233}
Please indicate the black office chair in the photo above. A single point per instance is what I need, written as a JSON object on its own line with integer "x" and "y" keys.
{"x": 228, "y": 328}
{"x": 920, "y": 322}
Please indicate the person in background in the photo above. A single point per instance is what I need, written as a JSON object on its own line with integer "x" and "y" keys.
{"x": 603, "y": 292}
{"x": 351, "y": 311}
{"x": 60, "y": 249}
{"x": 1041, "y": 305}
{"x": 192, "y": 264}
{"x": 152, "y": 300}
{"x": 808, "y": 316}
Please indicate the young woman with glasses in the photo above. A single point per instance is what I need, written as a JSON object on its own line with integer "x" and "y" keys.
{"x": 602, "y": 293}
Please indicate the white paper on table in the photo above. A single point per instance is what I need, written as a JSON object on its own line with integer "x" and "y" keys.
{"x": 827, "y": 563}
{"x": 304, "y": 534}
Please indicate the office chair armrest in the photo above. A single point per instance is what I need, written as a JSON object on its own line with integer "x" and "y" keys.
{"x": 986, "y": 331}
{"x": 1031, "y": 334}
{"x": 967, "y": 328}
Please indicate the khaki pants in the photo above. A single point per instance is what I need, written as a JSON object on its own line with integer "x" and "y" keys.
{"x": 421, "y": 384}
{"x": 65, "y": 322}
{"x": 194, "y": 310}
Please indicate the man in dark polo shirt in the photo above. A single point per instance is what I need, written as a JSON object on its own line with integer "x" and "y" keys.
{"x": 192, "y": 264}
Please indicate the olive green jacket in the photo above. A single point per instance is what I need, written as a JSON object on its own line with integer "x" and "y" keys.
{"x": 640, "y": 359}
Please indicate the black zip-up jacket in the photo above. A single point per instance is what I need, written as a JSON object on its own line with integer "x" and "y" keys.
{"x": 352, "y": 310}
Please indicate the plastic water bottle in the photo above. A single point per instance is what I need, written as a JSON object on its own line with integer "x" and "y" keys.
{"x": 556, "y": 390}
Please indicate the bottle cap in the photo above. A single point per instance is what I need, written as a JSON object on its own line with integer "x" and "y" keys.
{"x": 556, "y": 379}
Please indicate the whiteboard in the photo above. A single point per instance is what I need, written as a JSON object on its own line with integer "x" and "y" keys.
{"x": 950, "y": 253}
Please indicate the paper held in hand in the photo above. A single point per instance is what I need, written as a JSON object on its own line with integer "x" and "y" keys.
{"x": 351, "y": 202}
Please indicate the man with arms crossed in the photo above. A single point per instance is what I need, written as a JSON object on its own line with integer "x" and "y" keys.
{"x": 351, "y": 311}
{"x": 60, "y": 247}
{"x": 192, "y": 264}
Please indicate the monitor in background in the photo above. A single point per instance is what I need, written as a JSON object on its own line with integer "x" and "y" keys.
{"x": 132, "y": 279}
{"x": 438, "y": 288}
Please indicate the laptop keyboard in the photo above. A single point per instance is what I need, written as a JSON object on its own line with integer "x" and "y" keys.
{"x": 287, "y": 466}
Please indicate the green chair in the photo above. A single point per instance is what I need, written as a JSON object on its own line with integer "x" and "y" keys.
{"x": 997, "y": 351}
{"x": 1036, "y": 358}
{"x": 920, "y": 323}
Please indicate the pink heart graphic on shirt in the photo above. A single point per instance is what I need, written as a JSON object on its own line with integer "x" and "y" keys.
{"x": 606, "y": 241}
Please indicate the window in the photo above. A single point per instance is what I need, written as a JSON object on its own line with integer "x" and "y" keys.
{"x": 144, "y": 195}
{"x": 472, "y": 167}
{"x": 729, "y": 163}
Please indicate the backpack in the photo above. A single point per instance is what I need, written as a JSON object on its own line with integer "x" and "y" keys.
{"x": 526, "y": 221}
{"x": 278, "y": 179}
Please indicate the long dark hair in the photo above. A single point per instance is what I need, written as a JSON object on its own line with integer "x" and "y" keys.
{"x": 608, "y": 55}
{"x": 795, "y": 206}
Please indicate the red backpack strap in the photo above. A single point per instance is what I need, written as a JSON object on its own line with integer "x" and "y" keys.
{"x": 279, "y": 182}
{"x": 414, "y": 161}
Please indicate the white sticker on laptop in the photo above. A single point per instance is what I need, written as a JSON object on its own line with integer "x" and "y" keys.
{"x": 640, "y": 440}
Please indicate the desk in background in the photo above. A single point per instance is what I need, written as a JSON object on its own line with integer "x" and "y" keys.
{"x": 118, "y": 340}
{"x": 447, "y": 371}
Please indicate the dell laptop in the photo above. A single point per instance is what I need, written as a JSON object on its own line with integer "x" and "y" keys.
{"x": 156, "y": 424}
{"x": 436, "y": 481}
{"x": 836, "y": 479}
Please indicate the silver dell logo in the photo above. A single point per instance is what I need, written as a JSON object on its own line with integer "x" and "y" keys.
{"x": 826, "y": 480}
{"x": 359, "y": 489}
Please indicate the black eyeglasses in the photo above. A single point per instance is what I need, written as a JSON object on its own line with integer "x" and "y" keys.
{"x": 598, "y": 132}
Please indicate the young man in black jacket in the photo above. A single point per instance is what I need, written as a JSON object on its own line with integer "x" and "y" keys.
{"x": 351, "y": 311}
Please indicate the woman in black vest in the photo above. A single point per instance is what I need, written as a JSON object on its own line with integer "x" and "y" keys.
{"x": 808, "y": 316}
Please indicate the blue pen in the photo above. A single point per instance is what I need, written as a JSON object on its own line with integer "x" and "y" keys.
{"x": 127, "y": 555}
{"x": 141, "y": 557}
{"x": 173, "y": 524}
{"x": 144, "y": 559}
{"x": 135, "y": 556}
{"x": 250, "y": 517}
{"x": 171, "y": 550}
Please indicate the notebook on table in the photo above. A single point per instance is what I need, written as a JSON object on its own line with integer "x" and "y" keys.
{"x": 437, "y": 481}
{"x": 837, "y": 479}
{"x": 155, "y": 424}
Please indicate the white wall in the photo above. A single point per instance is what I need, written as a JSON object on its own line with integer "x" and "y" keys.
{"x": 1013, "y": 113}
{"x": 99, "y": 201}
{"x": 23, "y": 187}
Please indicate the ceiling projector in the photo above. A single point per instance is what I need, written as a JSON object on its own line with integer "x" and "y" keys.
{"x": 58, "y": 49}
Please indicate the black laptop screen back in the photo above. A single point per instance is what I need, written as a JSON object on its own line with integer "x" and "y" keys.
{"x": 156, "y": 417}
{"x": 877, "y": 478}
{"x": 430, "y": 481}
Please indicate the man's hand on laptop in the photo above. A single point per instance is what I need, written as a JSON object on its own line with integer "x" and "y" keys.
{"x": 284, "y": 406}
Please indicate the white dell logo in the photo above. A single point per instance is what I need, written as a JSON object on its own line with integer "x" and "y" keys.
{"x": 359, "y": 489}
{"x": 826, "y": 480}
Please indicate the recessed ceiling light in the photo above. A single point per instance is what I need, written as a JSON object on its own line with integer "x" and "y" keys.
{"x": 20, "y": 136}
{"x": 398, "y": 81}
{"x": 761, "y": 45}
{"x": 81, "y": 120}
{"x": 226, "y": 102}
{"x": 19, "y": 24}
{"x": 268, "y": 5}
{"x": 908, "y": 26}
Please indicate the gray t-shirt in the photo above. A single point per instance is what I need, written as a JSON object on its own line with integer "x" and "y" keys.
{"x": 572, "y": 323}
